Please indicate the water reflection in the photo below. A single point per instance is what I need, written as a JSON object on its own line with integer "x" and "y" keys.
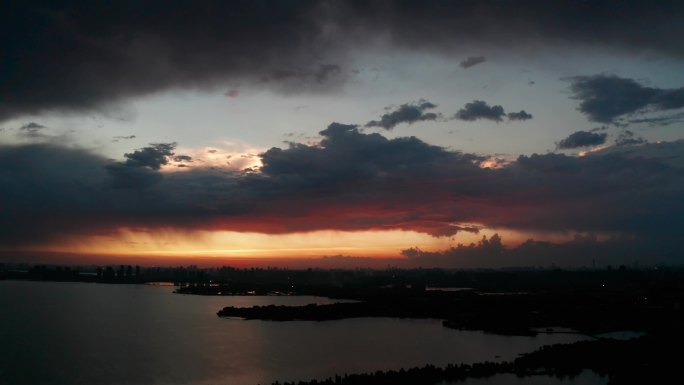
{"x": 76, "y": 333}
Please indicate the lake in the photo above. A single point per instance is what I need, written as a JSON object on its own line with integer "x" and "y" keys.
{"x": 84, "y": 333}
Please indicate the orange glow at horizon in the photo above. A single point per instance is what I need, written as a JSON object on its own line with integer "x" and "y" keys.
{"x": 168, "y": 243}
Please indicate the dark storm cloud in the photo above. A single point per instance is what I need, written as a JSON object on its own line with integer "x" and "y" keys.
{"x": 347, "y": 157}
{"x": 101, "y": 195}
{"x": 75, "y": 56}
{"x": 139, "y": 170}
{"x": 55, "y": 183}
{"x": 406, "y": 113}
{"x": 582, "y": 139}
{"x": 605, "y": 98}
{"x": 349, "y": 181}
{"x": 472, "y": 61}
{"x": 478, "y": 109}
{"x": 153, "y": 156}
{"x": 597, "y": 192}
{"x": 522, "y": 115}
{"x": 131, "y": 177}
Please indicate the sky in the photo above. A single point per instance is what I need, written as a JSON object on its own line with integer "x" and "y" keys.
{"x": 425, "y": 133}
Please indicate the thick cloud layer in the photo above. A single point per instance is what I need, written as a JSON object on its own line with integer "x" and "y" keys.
{"x": 585, "y": 250}
{"x": 406, "y": 113}
{"x": 139, "y": 168}
{"x": 82, "y": 55}
{"x": 350, "y": 181}
{"x": 605, "y": 98}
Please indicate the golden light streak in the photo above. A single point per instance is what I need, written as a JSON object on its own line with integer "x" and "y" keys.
{"x": 222, "y": 243}
{"x": 171, "y": 243}
{"x": 595, "y": 149}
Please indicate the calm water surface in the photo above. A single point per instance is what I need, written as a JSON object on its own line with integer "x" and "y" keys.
{"x": 80, "y": 333}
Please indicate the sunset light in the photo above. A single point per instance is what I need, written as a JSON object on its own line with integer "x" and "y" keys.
{"x": 325, "y": 192}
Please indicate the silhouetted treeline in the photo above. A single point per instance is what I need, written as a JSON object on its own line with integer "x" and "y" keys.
{"x": 645, "y": 360}
{"x": 651, "y": 359}
{"x": 364, "y": 282}
{"x": 351, "y": 283}
{"x": 489, "y": 280}
{"x": 425, "y": 375}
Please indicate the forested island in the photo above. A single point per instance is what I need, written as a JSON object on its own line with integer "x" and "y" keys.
{"x": 587, "y": 302}
{"x": 586, "y": 311}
